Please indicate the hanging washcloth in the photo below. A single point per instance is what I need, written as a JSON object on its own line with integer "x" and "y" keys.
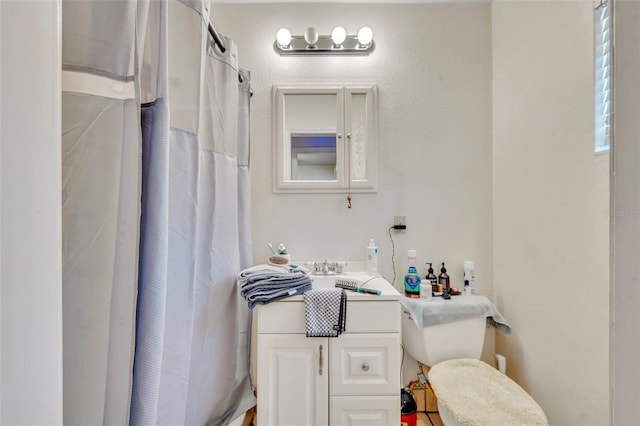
{"x": 325, "y": 312}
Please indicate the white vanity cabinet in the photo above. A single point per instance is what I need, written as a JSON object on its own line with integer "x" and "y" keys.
{"x": 353, "y": 379}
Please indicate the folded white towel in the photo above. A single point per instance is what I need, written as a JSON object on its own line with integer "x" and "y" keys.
{"x": 325, "y": 312}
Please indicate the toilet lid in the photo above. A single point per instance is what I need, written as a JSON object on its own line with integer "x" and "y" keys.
{"x": 478, "y": 394}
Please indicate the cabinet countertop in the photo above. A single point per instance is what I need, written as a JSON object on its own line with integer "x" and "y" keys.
{"x": 326, "y": 282}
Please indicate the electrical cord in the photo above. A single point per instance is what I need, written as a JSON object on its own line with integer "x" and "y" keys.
{"x": 402, "y": 365}
{"x": 372, "y": 278}
{"x": 393, "y": 255}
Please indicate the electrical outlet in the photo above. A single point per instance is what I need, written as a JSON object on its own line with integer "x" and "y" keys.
{"x": 400, "y": 221}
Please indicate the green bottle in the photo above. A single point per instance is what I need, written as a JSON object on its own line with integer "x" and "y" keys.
{"x": 412, "y": 279}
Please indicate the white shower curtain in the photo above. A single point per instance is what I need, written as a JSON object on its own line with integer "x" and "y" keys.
{"x": 181, "y": 191}
{"x": 100, "y": 209}
{"x": 191, "y": 363}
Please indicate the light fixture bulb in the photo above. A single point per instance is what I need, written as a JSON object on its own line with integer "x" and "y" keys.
{"x": 338, "y": 35}
{"x": 311, "y": 36}
{"x": 283, "y": 37}
{"x": 365, "y": 36}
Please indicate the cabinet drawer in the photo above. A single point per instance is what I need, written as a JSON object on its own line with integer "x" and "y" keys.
{"x": 364, "y": 410}
{"x": 362, "y": 317}
{"x": 365, "y": 364}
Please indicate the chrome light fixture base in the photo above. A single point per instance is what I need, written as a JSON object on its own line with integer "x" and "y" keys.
{"x": 324, "y": 46}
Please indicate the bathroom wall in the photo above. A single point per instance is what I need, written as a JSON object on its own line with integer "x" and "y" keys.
{"x": 30, "y": 215}
{"x": 551, "y": 198}
{"x": 625, "y": 317}
{"x": 432, "y": 65}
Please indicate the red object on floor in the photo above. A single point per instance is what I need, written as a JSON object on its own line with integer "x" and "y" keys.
{"x": 408, "y": 409}
{"x": 409, "y": 419}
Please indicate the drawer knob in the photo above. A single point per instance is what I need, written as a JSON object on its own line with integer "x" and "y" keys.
{"x": 365, "y": 366}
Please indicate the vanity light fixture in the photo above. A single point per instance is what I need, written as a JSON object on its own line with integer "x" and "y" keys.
{"x": 312, "y": 43}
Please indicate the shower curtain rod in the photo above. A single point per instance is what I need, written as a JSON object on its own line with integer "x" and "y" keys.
{"x": 216, "y": 38}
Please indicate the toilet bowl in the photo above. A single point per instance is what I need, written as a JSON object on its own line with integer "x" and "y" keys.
{"x": 453, "y": 351}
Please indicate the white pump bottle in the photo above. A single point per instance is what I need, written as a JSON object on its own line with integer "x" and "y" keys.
{"x": 372, "y": 258}
{"x": 469, "y": 277}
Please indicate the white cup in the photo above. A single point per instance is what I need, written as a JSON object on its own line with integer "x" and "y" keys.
{"x": 425, "y": 291}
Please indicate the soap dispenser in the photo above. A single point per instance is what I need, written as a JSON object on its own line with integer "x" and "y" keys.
{"x": 431, "y": 277}
{"x": 443, "y": 279}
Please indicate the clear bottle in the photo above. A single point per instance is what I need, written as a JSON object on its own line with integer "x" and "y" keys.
{"x": 372, "y": 258}
{"x": 443, "y": 279}
{"x": 412, "y": 280}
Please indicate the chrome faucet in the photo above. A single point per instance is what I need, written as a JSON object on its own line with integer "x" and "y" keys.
{"x": 328, "y": 268}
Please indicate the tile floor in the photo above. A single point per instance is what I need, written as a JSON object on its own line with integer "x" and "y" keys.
{"x": 429, "y": 419}
{"x": 427, "y": 406}
{"x": 424, "y": 419}
{"x": 424, "y": 397}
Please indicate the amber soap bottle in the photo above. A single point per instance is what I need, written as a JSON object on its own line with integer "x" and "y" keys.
{"x": 443, "y": 279}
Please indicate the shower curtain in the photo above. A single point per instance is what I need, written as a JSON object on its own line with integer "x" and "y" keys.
{"x": 156, "y": 216}
{"x": 100, "y": 209}
{"x": 194, "y": 219}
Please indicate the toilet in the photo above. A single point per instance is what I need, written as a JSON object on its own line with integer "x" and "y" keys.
{"x": 469, "y": 391}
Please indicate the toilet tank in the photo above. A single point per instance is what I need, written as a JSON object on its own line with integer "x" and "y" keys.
{"x": 432, "y": 344}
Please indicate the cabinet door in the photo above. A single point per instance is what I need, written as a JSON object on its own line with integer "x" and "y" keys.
{"x": 361, "y": 137}
{"x": 365, "y": 410}
{"x": 293, "y": 380}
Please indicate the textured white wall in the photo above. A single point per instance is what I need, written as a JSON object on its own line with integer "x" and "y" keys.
{"x": 432, "y": 65}
{"x": 551, "y": 199}
{"x": 30, "y": 241}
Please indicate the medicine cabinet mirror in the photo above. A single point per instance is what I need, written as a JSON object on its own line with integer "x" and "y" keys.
{"x": 325, "y": 138}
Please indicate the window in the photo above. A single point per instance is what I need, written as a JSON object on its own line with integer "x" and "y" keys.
{"x": 602, "y": 57}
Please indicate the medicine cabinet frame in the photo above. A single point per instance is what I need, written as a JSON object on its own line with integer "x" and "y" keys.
{"x": 355, "y": 130}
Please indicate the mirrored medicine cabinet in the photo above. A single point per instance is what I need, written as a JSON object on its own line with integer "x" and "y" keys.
{"x": 325, "y": 138}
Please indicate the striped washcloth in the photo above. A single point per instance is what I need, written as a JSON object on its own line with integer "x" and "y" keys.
{"x": 325, "y": 312}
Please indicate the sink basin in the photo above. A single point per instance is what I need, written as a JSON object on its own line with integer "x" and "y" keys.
{"x": 321, "y": 282}
{"x": 326, "y": 282}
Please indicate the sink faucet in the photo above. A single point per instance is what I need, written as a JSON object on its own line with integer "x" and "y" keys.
{"x": 328, "y": 268}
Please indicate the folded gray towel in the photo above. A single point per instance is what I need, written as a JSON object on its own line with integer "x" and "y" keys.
{"x": 264, "y": 284}
{"x": 325, "y": 312}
